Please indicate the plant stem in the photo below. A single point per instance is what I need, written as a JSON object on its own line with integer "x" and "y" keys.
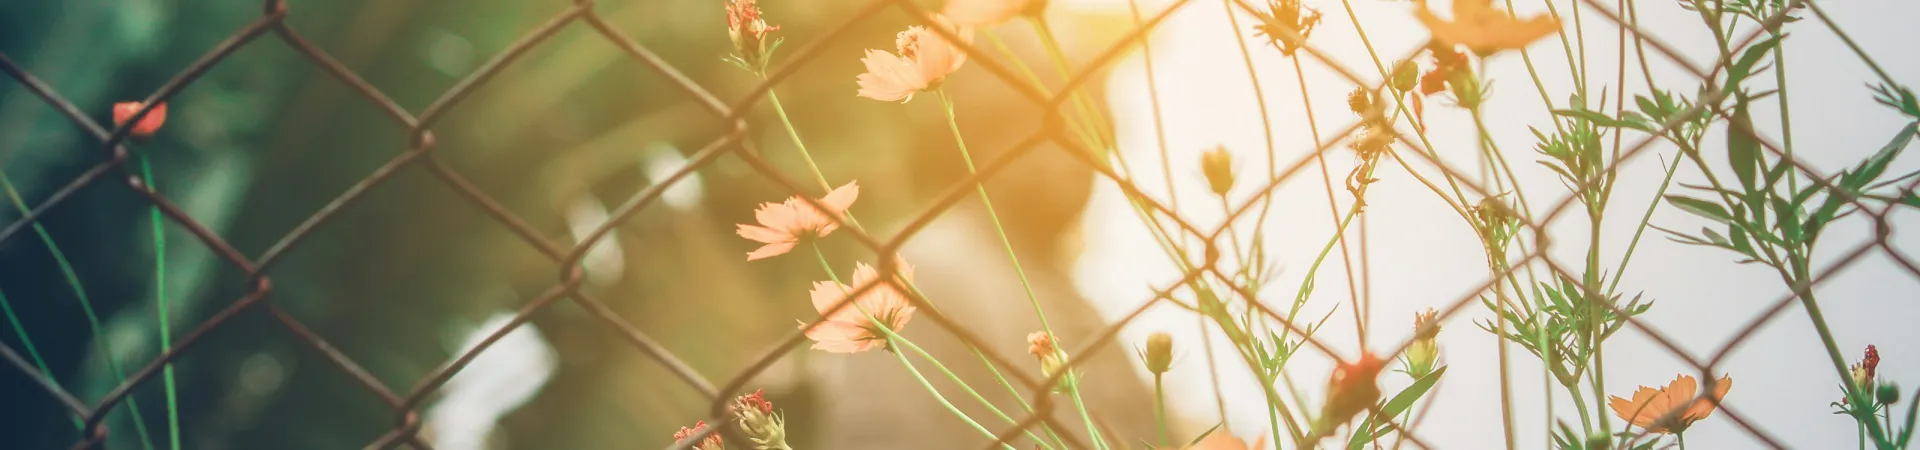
{"x": 1006, "y": 243}
{"x": 166, "y": 312}
{"x": 894, "y": 338}
{"x": 794, "y": 133}
{"x": 72, "y": 278}
{"x": 1160, "y": 410}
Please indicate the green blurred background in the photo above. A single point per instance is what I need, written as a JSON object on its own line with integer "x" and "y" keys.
{"x": 399, "y": 279}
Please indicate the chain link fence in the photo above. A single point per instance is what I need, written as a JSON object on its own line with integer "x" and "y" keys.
{"x": 271, "y": 26}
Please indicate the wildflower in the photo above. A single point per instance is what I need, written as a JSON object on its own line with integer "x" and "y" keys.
{"x": 749, "y": 33}
{"x": 1159, "y": 352}
{"x": 1425, "y": 350}
{"x": 980, "y": 13}
{"x": 1650, "y": 408}
{"x": 123, "y": 111}
{"x": 1351, "y": 389}
{"x": 1217, "y": 165}
{"x": 854, "y": 327}
{"x": 922, "y": 61}
{"x": 1483, "y": 29}
{"x": 758, "y": 422}
{"x": 783, "y": 224}
{"x": 1287, "y": 24}
{"x": 711, "y": 442}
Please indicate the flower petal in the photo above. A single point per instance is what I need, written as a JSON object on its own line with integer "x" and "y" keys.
{"x": 771, "y": 250}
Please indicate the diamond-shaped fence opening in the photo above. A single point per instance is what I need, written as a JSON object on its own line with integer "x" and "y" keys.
{"x": 733, "y": 143}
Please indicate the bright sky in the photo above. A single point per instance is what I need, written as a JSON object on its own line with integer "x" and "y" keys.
{"x": 1424, "y": 256}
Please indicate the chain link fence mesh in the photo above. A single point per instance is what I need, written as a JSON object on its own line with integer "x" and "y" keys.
{"x": 271, "y": 26}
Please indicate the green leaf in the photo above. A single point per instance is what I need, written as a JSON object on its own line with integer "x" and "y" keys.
{"x": 1597, "y": 118}
{"x": 1203, "y": 435}
{"x": 1700, "y": 208}
{"x": 1743, "y": 149}
{"x": 1743, "y": 67}
{"x": 1399, "y": 404}
{"x": 1873, "y": 166}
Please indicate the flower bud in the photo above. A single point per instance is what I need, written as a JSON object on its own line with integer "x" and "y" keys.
{"x": 1040, "y": 345}
{"x": 123, "y": 111}
{"x": 1887, "y": 393}
{"x": 1217, "y": 165}
{"x": 749, "y": 34}
{"x": 759, "y": 422}
{"x": 1360, "y": 101}
{"x": 1159, "y": 354}
{"x": 1466, "y": 88}
{"x": 711, "y": 442}
{"x": 1424, "y": 352}
{"x": 1406, "y": 74}
{"x": 1353, "y": 387}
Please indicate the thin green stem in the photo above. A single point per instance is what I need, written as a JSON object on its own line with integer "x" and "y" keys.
{"x": 894, "y": 338}
{"x": 165, "y": 310}
{"x": 1006, "y": 243}
{"x": 1159, "y": 124}
{"x": 794, "y": 133}
{"x": 1333, "y": 208}
{"x": 1266, "y": 121}
{"x": 86, "y": 305}
{"x": 1078, "y": 96}
{"x": 1160, "y": 410}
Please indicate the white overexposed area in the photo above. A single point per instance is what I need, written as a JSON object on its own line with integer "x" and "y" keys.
{"x": 1422, "y": 255}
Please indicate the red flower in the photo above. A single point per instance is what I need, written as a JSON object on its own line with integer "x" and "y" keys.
{"x": 124, "y": 110}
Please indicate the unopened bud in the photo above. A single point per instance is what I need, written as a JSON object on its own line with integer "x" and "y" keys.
{"x": 1217, "y": 165}
{"x": 123, "y": 111}
{"x": 1466, "y": 88}
{"x": 1887, "y": 393}
{"x": 759, "y": 422}
{"x": 1159, "y": 354}
{"x": 711, "y": 442}
{"x": 1041, "y": 346}
{"x": 1406, "y": 74}
{"x": 1424, "y": 352}
{"x": 749, "y": 33}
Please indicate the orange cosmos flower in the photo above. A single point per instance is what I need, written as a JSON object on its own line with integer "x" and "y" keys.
{"x": 1483, "y": 29}
{"x": 849, "y": 330}
{"x": 922, "y": 61}
{"x": 1650, "y": 406}
{"x": 148, "y": 125}
{"x": 989, "y": 12}
{"x": 1351, "y": 389}
{"x": 783, "y": 224}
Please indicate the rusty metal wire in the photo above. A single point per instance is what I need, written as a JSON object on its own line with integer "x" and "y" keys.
{"x": 419, "y": 151}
